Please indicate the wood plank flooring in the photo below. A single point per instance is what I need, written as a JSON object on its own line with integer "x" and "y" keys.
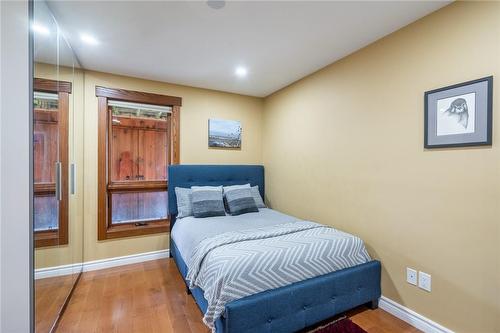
{"x": 50, "y": 295}
{"x": 150, "y": 297}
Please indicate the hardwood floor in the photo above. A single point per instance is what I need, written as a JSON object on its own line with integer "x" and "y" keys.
{"x": 150, "y": 297}
{"x": 50, "y": 295}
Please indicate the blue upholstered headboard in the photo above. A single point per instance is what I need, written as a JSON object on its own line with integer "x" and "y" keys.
{"x": 210, "y": 175}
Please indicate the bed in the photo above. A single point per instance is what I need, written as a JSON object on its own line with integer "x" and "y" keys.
{"x": 285, "y": 309}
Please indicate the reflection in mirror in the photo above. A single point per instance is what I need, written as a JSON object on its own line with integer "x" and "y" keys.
{"x": 57, "y": 150}
{"x": 50, "y": 106}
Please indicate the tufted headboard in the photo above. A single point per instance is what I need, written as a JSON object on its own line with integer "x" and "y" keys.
{"x": 210, "y": 175}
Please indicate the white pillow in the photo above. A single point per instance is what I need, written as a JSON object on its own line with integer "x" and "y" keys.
{"x": 256, "y": 196}
{"x": 184, "y": 202}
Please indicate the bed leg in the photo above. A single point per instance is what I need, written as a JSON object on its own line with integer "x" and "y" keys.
{"x": 188, "y": 291}
{"x": 373, "y": 304}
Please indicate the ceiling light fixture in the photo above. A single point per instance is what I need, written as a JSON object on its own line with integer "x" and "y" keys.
{"x": 40, "y": 29}
{"x": 88, "y": 39}
{"x": 241, "y": 71}
{"x": 216, "y": 4}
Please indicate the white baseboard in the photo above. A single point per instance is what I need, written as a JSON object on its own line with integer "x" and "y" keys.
{"x": 99, "y": 264}
{"x": 47, "y": 272}
{"x": 411, "y": 317}
{"x": 125, "y": 260}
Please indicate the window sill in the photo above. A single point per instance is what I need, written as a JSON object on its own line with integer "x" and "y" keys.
{"x": 150, "y": 185}
{"x": 130, "y": 230}
{"x": 48, "y": 238}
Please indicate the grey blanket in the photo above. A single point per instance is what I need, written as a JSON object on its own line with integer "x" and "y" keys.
{"x": 236, "y": 264}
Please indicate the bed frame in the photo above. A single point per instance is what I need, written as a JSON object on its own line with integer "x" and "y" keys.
{"x": 286, "y": 309}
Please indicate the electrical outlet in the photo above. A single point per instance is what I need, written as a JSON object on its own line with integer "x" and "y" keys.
{"x": 411, "y": 276}
{"x": 424, "y": 281}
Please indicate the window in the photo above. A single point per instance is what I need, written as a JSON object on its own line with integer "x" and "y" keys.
{"x": 50, "y": 161}
{"x": 138, "y": 139}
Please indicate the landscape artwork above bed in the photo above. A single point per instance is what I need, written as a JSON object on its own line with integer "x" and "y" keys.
{"x": 224, "y": 133}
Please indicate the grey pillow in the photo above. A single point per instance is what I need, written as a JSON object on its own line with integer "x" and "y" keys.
{"x": 184, "y": 202}
{"x": 233, "y": 187}
{"x": 226, "y": 189}
{"x": 241, "y": 201}
{"x": 256, "y": 196}
{"x": 207, "y": 201}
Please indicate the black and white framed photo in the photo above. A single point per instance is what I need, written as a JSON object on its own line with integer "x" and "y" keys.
{"x": 459, "y": 115}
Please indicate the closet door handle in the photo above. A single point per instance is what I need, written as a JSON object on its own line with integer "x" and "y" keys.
{"x": 73, "y": 178}
{"x": 58, "y": 181}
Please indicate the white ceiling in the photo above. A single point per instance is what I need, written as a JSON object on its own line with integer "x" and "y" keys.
{"x": 50, "y": 47}
{"x": 190, "y": 43}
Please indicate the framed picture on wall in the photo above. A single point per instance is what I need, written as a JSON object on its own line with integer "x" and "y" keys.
{"x": 459, "y": 115}
{"x": 224, "y": 133}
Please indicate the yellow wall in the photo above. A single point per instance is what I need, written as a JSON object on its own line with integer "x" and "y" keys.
{"x": 73, "y": 251}
{"x": 198, "y": 105}
{"x": 344, "y": 147}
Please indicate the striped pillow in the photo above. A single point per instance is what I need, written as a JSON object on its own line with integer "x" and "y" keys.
{"x": 226, "y": 189}
{"x": 241, "y": 201}
{"x": 207, "y": 201}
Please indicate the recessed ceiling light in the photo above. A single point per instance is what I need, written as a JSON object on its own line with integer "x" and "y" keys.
{"x": 241, "y": 71}
{"x": 40, "y": 29}
{"x": 88, "y": 39}
{"x": 216, "y": 4}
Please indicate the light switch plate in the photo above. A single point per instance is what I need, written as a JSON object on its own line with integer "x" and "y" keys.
{"x": 411, "y": 276}
{"x": 424, "y": 281}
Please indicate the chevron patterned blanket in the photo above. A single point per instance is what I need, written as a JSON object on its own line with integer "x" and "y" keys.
{"x": 233, "y": 265}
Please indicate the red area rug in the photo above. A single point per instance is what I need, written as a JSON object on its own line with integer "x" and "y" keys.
{"x": 341, "y": 325}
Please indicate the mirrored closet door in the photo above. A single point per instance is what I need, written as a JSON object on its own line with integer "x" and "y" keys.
{"x": 57, "y": 153}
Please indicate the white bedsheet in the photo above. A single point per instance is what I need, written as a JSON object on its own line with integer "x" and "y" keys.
{"x": 189, "y": 231}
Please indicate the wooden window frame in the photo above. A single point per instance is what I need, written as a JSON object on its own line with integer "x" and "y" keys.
{"x": 104, "y": 228}
{"x": 61, "y": 236}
